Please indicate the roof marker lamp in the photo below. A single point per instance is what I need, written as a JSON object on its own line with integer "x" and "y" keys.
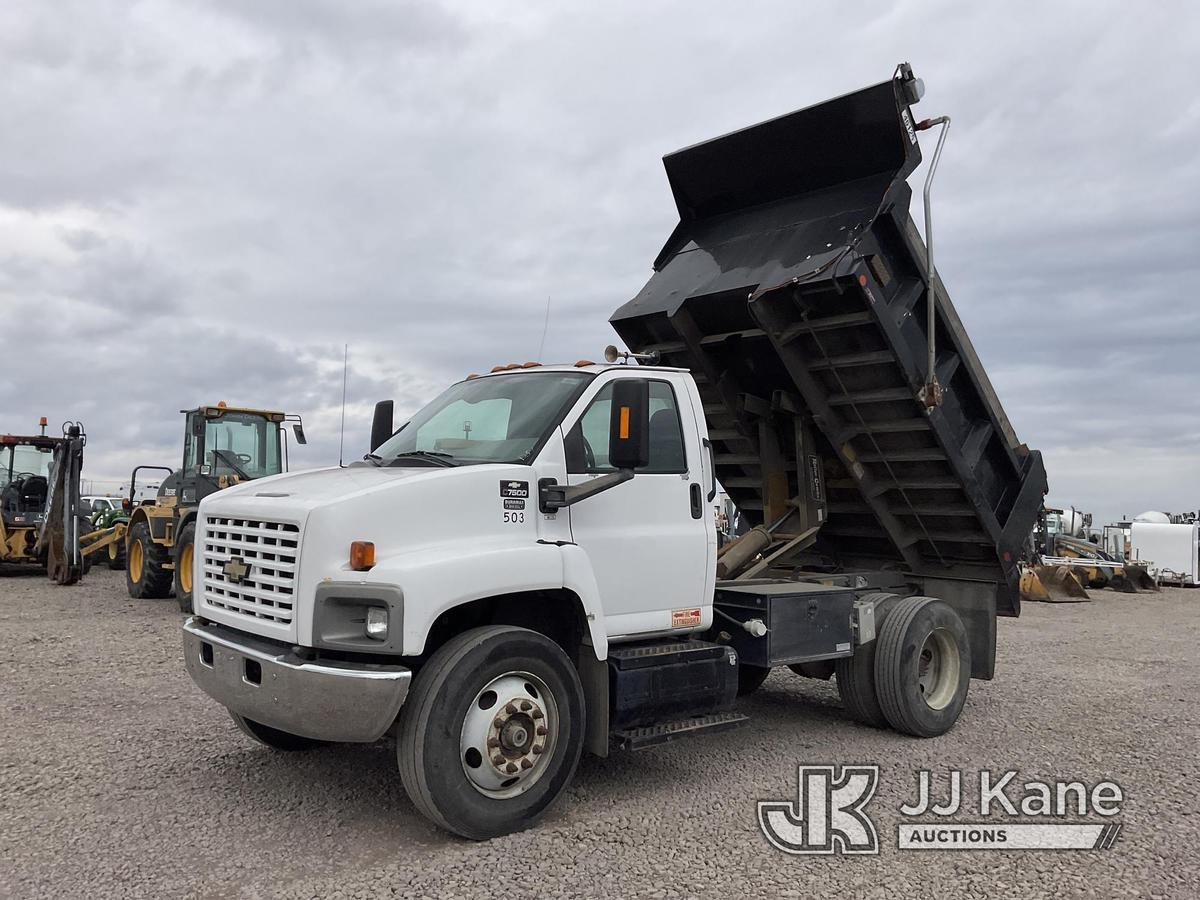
{"x": 362, "y": 556}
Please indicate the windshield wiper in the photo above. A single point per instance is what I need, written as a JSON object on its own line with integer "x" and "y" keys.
{"x": 233, "y": 464}
{"x": 374, "y": 459}
{"x": 435, "y": 456}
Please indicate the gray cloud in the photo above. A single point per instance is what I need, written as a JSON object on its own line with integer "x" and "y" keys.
{"x": 247, "y": 187}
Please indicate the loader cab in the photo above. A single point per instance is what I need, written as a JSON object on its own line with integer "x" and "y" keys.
{"x": 223, "y": 446}
{"x": 24, "y": 471}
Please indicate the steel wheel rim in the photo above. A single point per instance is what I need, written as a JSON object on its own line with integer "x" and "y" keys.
{"x": 508, "y": 735}
{"x": 185, "y": 569}
{"x": 135, "y": 560}
{"x": 938, "y": 669}
{"x": 113, "y": 552}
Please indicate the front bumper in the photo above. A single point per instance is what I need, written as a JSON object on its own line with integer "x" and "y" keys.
{"x": 324, "y": 700}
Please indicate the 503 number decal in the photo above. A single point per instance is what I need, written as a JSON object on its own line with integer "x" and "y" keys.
{"x": 515, "y": 518}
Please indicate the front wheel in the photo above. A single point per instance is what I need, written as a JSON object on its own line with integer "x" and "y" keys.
{"x": 922, "y": 667}
{"x": 491, "y": 732}
{"x": 146, "y": 575}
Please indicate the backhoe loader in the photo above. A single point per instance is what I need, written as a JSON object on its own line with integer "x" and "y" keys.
{"x": 222, "y": 446}
{"x": 40, "y": 510}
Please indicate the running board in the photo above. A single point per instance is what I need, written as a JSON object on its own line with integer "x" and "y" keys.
{"x": 656, "y": 735}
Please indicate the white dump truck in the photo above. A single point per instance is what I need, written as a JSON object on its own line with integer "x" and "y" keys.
{"x": 527, "y": 568}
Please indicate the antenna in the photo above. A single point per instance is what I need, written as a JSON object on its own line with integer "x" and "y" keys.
{"x": 545, "y": 328}
{"x": 342, "y": 430}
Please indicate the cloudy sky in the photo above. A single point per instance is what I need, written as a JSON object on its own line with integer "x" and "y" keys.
{"x": 207, "y": 200}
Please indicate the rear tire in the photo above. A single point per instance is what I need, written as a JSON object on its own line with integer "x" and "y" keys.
{"x": 144, "y": 573}
{"x": 184, "y": 550}
{"x": 479, "y": 773}
{"x": 273, "y": 737}
{"x": 856, "y": 674}
{"x": 922, "y": 667}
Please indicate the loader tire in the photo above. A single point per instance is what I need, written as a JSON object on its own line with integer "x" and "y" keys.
{"x": 922, "y": 667}
{"x": 144, "y": 573}
{"x": 491, "y": 731}
{"x": 184, "y": 551}
{"x": 856, "y": 674}
{"x": 115, "y": 555}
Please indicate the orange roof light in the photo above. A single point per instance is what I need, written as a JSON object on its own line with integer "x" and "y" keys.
{"x": 584, "y": 362}
{"x": 220, "y": 404}
{"x": 43, "y": 421}
{"x": 530, "y": 365}
{"x": 362, "y": 555}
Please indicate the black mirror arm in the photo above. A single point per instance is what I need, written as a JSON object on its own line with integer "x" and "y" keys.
{"x": 553, "y": 496}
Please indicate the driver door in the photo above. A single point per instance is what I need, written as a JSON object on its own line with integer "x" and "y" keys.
{"x": 647, "y": 539}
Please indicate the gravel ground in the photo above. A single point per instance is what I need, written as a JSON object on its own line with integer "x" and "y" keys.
{"x": 119, "y": 778}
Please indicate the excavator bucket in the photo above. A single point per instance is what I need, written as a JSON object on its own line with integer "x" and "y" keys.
{"x": 1052, "y": 584}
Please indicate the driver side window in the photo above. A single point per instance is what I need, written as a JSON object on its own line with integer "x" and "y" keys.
{"x": 586, "y": 443}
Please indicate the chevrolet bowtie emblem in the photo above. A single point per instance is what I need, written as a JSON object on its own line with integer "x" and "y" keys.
{"x": 235, "y": 570}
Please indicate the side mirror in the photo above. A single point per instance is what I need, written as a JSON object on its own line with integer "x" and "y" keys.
{"x": 298, "y": 430}
{"x": 381, "y": 426}
{"x": 629, "y": 428}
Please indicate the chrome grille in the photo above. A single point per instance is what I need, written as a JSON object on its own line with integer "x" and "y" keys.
{"x": 268, "y": 551}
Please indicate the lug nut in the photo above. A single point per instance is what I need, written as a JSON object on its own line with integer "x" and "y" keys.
{"x": 526, "y": 706}
{"x": 510, "y": 707}
{"x": 541, "y": 729}
{"x": 539, "y": 748}
{"x": 510, "y": 768}
{"x": 493, "y": 743}
{"x": 498, "y": 760}
{"x": 536, "y": 714}
{"x": 526, "y": 764}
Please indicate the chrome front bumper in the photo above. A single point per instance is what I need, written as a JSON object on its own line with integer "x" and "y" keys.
{"x": 324, "y": 700}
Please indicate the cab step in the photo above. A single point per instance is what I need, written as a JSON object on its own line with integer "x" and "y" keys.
{"x": 656, "y": 735}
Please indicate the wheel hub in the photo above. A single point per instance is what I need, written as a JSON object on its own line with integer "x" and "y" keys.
{"x": 507, "y": 734}
{"x": 938, "y": 669}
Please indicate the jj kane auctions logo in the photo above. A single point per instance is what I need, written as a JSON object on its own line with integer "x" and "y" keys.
{"x": 829, "y": 814}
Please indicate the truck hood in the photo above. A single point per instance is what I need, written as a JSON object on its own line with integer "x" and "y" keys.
{"x": 308, "y": 490}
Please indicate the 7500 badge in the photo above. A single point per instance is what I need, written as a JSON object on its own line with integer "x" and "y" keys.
{"x": 514, "y": 494}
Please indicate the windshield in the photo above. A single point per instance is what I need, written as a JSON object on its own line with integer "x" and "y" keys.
{"x": 236, "y": 443}
{"x": 23, "y": 460}
{"x": 504, "y": 418}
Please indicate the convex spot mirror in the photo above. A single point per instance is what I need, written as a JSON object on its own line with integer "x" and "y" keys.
{"x": 629, "y": 428}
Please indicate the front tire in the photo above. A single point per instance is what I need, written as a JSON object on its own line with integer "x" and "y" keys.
{"x": 144, "y": 573}
{"x": 116, "y": 555}
{"x": 184, "y": 553}
{"x": 273, "y": 737}
{"x": 491, "y": 732}
{"x": 922, "y": 667}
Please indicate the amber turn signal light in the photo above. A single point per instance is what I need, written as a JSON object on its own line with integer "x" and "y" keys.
{"x": 362, "y": 555}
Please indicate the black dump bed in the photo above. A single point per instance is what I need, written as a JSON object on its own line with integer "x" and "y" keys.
{"x": 794, "y": 288}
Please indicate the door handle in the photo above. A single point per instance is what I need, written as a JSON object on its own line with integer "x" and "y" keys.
{"x": 697, "y": 502}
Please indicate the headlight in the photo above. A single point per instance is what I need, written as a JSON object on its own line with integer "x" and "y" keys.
{"x": 377, "y": 623}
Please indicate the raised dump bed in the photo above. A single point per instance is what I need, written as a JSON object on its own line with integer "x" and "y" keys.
{"x": 794, "y": 288}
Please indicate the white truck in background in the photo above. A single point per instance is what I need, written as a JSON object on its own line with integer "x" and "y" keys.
{"x": 528, "y": 567}
{"x": 1172, "y": 550}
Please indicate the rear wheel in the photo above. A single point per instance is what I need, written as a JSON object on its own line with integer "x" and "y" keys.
{"x": 273, "y": 737}
{"x": 491, "y": 732}
{"x": 184, "y": 558}
{"x": 145, "y": 575}
{"x": 922, "y": 667}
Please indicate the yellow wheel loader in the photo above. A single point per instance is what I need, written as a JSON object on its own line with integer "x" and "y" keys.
{"x": 222, "y": 446}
